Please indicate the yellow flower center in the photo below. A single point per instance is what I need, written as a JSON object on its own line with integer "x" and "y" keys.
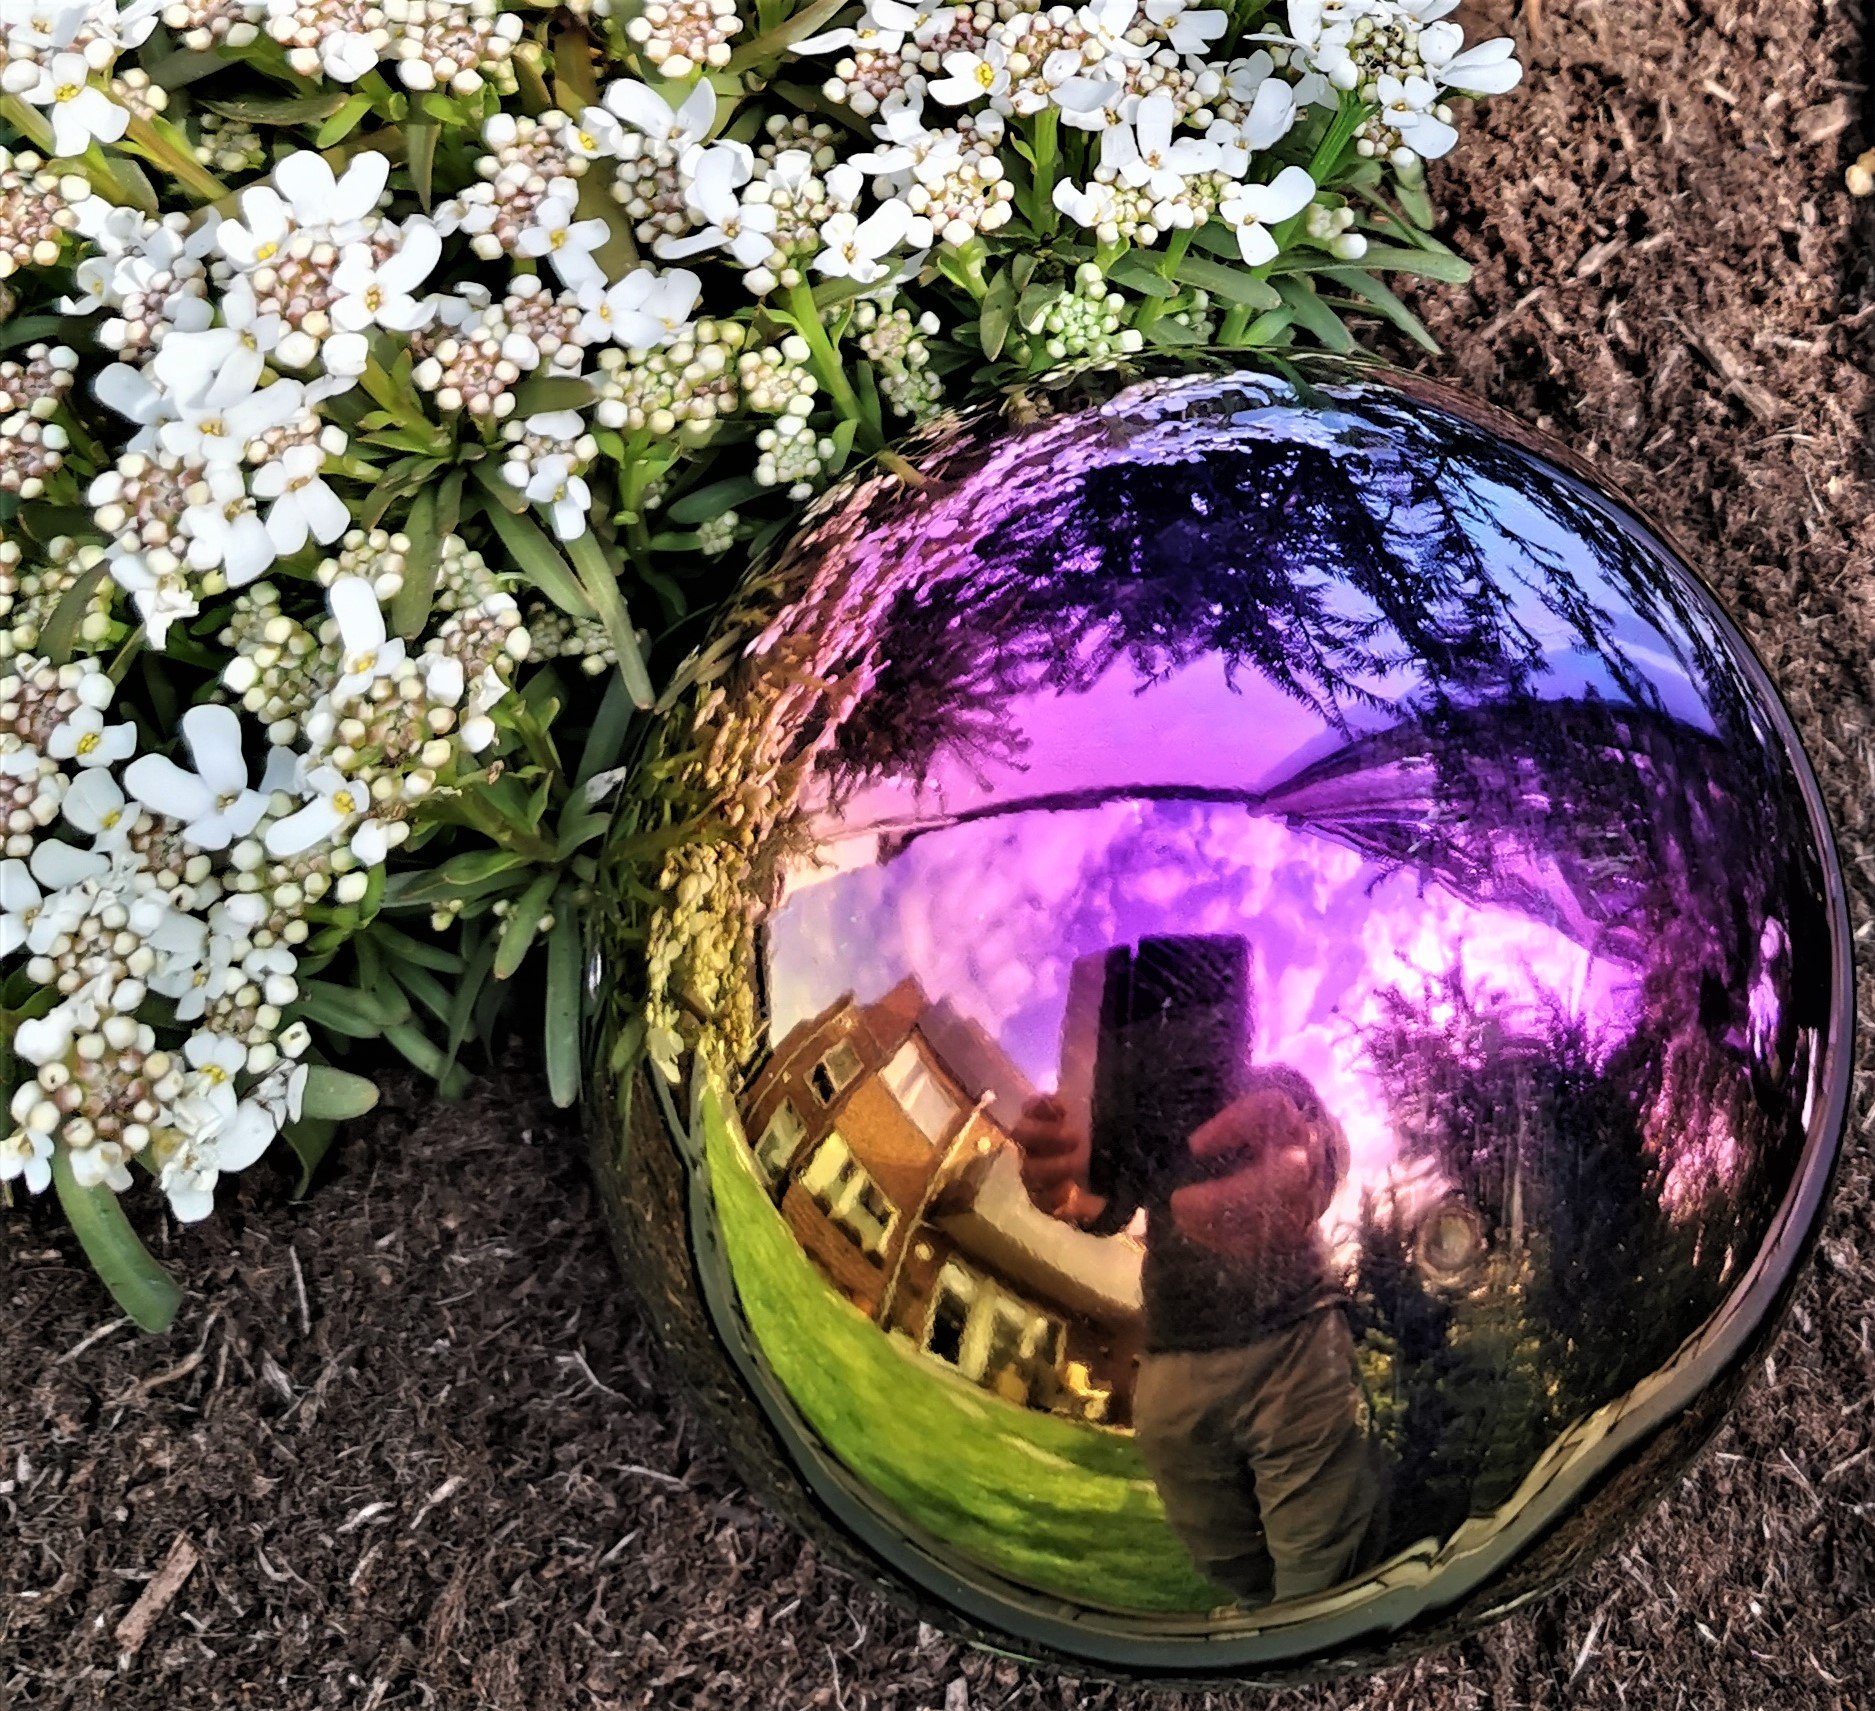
{"x": 89, "y": 742}
{"x": 986, "y": 74}
{"x": 345, "y": 802}
{"x": 266, "y": 252}
{"x": 214, "y": 1074}
{"x": 67, "y": 92}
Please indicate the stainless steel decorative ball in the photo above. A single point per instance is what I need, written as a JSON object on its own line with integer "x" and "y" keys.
{"x": 1224, "y": 1015}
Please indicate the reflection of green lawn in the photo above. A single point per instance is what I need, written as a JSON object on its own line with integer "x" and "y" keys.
{"x": 1046, "y": 1502}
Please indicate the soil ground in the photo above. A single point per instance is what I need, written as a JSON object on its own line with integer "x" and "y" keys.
{"x": 411, "y": 1431}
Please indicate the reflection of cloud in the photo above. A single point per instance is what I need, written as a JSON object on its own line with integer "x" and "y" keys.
{"x": 990, "y": 916}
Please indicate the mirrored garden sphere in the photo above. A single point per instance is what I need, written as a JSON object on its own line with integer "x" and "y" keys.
{"x": 1224, "y": 1017}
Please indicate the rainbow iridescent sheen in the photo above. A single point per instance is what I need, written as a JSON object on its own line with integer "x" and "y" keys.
{"x": 1309, "y": 747}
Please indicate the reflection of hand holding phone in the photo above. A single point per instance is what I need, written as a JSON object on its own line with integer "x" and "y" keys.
{"x": 1173, "y": 1047}
{"x": 1264, "y": 1183}
{"x": 1053, "y": 1149}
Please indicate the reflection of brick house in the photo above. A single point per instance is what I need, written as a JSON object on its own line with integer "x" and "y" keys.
{"x": 882, "y": 1132}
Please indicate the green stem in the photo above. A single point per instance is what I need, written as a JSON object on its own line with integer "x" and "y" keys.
{"x": 1326, "y": 160}
{"x": 825, "y": 361}
{"x": 1046, "y": 139}
{"x": 124, "y": 1265}
{"x": 154, "y": 143}
{"x": 1167, "y": 265}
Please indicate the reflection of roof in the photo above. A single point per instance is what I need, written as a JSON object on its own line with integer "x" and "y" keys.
{"x": 986, "y": 1211}
{"x": 1097, "y": 1276}
{"x": 1499, "y": 804}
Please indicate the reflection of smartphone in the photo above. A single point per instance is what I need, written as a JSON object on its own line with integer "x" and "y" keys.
{"x": 1172, "y": 1049}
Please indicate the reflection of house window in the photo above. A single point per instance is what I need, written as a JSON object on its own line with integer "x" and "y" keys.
{"x": 779, "y": 1142}
{"x": 924, "y": 1098}
{"x": 834, "y": 1072}
{"x": 844, "y": 1189}
{"x": 995, "y": 1337}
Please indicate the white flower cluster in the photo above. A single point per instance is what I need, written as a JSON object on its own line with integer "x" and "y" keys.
{"x": 234, "y": 332}
{"x": 190, "y": 886}
{"x": 57, "y": 56}
{"x": 458, "y": 45}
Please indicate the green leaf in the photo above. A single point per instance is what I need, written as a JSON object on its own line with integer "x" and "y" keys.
{"x": 1380, "y": 258}
{"x": 700, "y": 504}
{"x": 552, "y": 392}
{"x": 344, "y": 121}
{"x": 532, "y": 554}
{"x": 611, "y": 728}
{"x": 523, "y": 923}
{"x": 124, "y": 1265}
{"x": 423, "y": 139}
{"x": 1137, "y": 273}
{"x": 599, "y": 577}
{"x": 55, "y": 641}
{"x": 1163, "y": 332}
{"x": 997, "y": 313}
{"x": 565, "y": 944}
{"x": 336, "y": 1095}
{"x": 1232, "y": 284}
{"x": 288, "y": 110}
{"x": 1314, "y": 316}
{"x": 309, "y": 1140}
{"x": 1365, "y": 286}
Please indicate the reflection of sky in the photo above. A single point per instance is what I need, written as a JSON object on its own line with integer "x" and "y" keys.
{"x": 991, "y": 915}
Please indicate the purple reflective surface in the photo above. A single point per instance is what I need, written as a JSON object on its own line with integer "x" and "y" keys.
{"x": 1314, "y": 770}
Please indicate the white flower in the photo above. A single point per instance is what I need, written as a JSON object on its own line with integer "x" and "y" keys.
{"x": 1089, "y": 103}
{"x": 213, "y": 432}
{"x": 855, "y": 249}
{"x": 20, "y": 903}
{"x": 746, "y": 229}
{"x": 85, "y": 738}
{"x": 554, "y": 485}
{"x": 565, "y": 242}
{"x": 1406, "y": 106}
{"x": 598, "y": 135}
{"x": 368, "y": 292}
{"x": 1490, "y": 68}
{"x": 337, "y": 809}
{"x": 303, "y": 504}
{"x": 225, "y": 529}
{"x": 677, "y": 128}
{"x": 305, "y": 195}
{"x": 95, "y": 806}
{"x": 27, "y": 1152}
{"x": 1188, "y": 29}
{"x": 645, "y": 310}
{"x": 1093, "y": 206}
{"x": 214, "y": 802}
{"x": 367, "y": 651}
{"x": 882, "y": 27}
{"x": 1144, "y": 154}
{"x": 1271, "y": 101}
{"x": 209, "y": 1130}
{"x": 162, "y": 597}
{"x": 973, "y": 76}
{"x": 79, "y": 113}
{"x": 1252, "y": 208}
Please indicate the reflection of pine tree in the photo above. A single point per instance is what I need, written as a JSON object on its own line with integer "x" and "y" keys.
{"x": 1591, "y": 1279}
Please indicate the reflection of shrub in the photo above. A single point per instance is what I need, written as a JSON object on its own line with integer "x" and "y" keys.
{"x": 1592, "y": 1278}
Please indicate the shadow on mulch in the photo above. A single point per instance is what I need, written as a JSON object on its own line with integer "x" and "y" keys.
{"x": 408, "y": 1445}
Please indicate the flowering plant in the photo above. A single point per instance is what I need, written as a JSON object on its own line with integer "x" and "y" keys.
{"x": 385, "y": 384}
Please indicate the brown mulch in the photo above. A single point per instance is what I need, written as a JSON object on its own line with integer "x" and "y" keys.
{"x": 408, "y": 1444}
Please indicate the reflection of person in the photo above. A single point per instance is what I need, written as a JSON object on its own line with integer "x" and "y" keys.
{"x": 1248, "y": 1411}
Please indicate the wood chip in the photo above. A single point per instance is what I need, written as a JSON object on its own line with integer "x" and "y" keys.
{"x": 141, "y": 1617}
